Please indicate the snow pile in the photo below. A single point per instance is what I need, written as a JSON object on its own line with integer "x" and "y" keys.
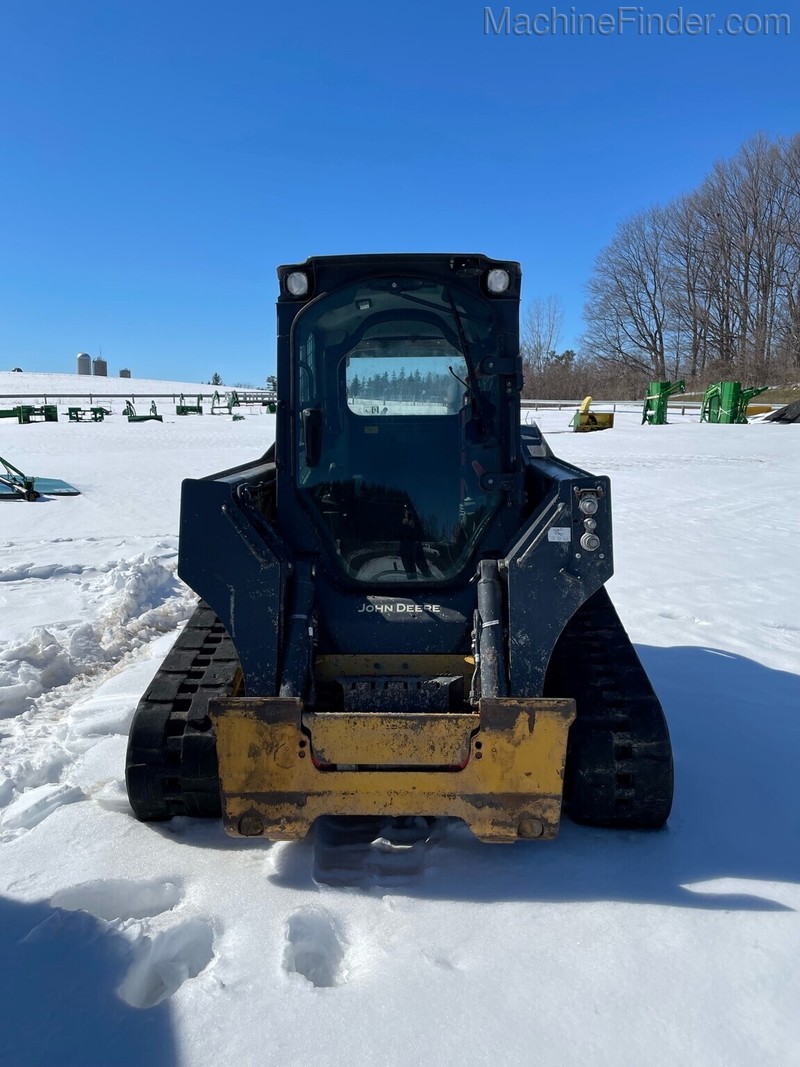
{"x": 139, "y": 599}
{"x": 135, "y": 600}
{"x": 26, "y": 670}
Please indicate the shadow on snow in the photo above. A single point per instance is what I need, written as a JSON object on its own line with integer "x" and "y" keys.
{"x": 57, "y": 989}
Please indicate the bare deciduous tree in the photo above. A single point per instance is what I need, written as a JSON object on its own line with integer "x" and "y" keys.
{"x": 540, "y": 335}
{"x": 627, "y": 310}
{"x": 787, "y": 333}
{"x": 709, "y": 284}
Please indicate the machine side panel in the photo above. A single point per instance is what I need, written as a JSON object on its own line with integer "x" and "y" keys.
{"x": 231, "y": 565}
{"x": 562, "y": 556}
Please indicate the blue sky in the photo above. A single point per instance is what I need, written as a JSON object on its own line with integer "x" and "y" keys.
{"x": 159, "y": 159}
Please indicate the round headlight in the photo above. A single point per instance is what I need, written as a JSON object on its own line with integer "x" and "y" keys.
{"x": 297, "y": 283}
{"x": 497, "y": 281}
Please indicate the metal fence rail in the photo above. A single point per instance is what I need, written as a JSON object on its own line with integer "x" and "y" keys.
{"x": 604, "y": 405}
{"x": 249, "y": 397}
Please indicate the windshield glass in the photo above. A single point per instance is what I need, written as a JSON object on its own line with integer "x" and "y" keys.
{"x": 395, "y": 425}
{"x": 405, "y": 378}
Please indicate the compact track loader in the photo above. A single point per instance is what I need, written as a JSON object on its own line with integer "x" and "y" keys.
{"x": 403, "y": 609}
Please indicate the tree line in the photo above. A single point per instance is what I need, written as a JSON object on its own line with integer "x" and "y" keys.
{"x": 705, "y": 287}
{"x": 402, "y": 386}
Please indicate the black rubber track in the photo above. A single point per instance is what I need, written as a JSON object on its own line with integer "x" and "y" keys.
{"x": 619, "y": 769}
{"x": 171, "y": 765}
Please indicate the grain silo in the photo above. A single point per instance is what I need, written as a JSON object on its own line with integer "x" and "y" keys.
{"x": 100, "y": 368}
{"x": 84, "y": 363}
{"x": 124, "y": 373}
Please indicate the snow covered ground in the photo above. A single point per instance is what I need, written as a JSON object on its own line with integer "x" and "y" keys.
{"x": 124, "y": 943}
{"x": 56, "y": 388}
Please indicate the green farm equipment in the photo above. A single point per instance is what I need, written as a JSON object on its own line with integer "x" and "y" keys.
{"x": 87, "y": 414}
{"x": 655, "y": 403}
{"x": 27, "y": 413}
{"x": 130, "y": 411}
{"x": 189, "y": 409}
{"x": 14, "y": 485}
{"x": 224, "y": 405}
{"x": 727, "y": 402}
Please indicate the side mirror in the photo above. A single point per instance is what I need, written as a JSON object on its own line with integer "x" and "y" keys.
{"x": 312, "y": 435}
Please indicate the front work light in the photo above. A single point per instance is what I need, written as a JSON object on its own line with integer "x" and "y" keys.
{"x": 297, "y": 283}
{"x": 497, "y": 280}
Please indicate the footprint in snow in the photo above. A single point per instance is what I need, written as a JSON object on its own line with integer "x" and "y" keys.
{"x": 119, "y": 898}
{"x": 314, "y": 948}
{"x": 163, "y": 963}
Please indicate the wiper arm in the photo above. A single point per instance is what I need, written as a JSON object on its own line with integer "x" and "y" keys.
{"x": 473, "y": 388}
{"x": 458, "y": 378}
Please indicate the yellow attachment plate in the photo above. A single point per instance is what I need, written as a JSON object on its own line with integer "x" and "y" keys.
{"x": 393, "y": 740}
{"x": 274, "y": 778}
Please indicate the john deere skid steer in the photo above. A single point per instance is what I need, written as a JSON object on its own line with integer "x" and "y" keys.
{"x": 402, "y": 602}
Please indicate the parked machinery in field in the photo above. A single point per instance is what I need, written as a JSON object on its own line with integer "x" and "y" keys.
{"x": 657, "y": 399}
{"x": 727, "y": 402}
{"x": 403, "y": 601}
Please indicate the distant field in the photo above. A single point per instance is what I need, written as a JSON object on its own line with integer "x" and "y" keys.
{"x": 55, "y": 387}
